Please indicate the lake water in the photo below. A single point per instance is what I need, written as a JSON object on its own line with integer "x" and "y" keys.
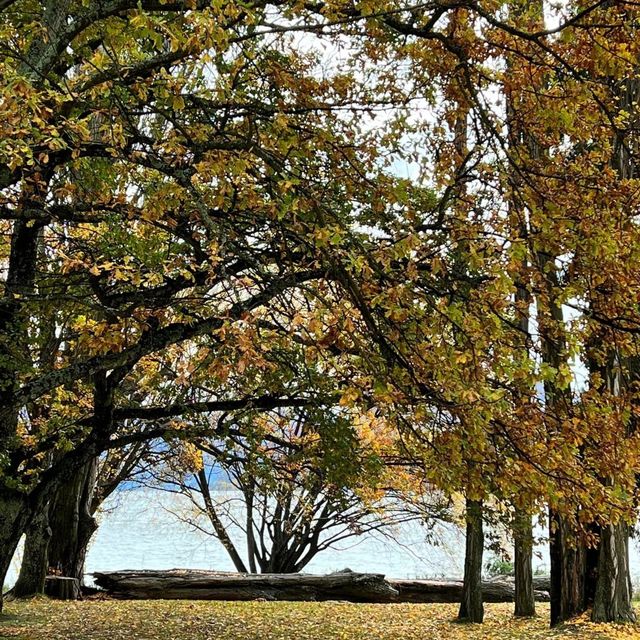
{"x": 139, "y": 531}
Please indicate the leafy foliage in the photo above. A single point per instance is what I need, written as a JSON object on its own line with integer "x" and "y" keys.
{"x": 197, "y": 207}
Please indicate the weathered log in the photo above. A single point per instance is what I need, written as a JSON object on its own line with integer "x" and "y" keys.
{"x": 451, "y": 591}
{"x": 62, "y": 588}
{"x": 342, "y": 585}
{"x": 542, "y": 583}
{"x": 213, "y": 585}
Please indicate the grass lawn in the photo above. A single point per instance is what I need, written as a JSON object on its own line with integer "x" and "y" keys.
{"x": 43, "y": 619}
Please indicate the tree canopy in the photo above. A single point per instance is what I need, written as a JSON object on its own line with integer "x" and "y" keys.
{"x": 421, "y": 212}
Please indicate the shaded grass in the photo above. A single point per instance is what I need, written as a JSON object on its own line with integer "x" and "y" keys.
{"x": 42, "y": 619}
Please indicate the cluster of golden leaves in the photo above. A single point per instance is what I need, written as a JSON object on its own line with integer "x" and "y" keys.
{"x": 298, "y": 169}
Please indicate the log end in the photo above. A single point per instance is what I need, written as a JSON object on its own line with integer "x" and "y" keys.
{"x": 62, "y": 588}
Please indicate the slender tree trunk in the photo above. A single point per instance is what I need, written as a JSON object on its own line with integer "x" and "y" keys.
{"x": 471, "y": 608}
{"x": 523, "y": 552}
{"x": 33, "y": 569}
{"x": 567, "y": 558}
{"x": 249, "y": 492}
{"x": 613, "y": 591}
{"x": 217, "y": 524}
{"x": 567, "y": 553}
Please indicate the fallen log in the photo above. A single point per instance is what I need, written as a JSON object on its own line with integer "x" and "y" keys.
{"x": 542, "y": 583}
{"x": 214, "y": 585}
{"x": 451, "y": 591}
{"x": 342, "y": 585}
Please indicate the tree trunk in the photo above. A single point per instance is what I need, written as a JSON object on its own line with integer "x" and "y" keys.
{"x": 568, "y": 571}
{"x": 249, "y": 494}
{"x": 72, "y": 523}
{"x": 33, "y": 569}
{"x": 523, "y": 552}
{"x": 13, "y": 520}
{"x": 471, "y": 608}
{"x": 70, "y": 490}
{"x": 17, "y": 510}
{"x": 217, "y": 524}
{"x": 613, "y": 591}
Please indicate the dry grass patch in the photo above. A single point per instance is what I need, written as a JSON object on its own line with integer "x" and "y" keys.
{"x": 43, "y": 619}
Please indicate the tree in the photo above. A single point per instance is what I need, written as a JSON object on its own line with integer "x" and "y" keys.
{"x": 551, "y": 85}
{"x": 175, "y": 178}
{"x": 59, "y": 537}
{"x": 150, "y": 203}
{"x": 613, "y": 593}
{"x": 278, "y": 488}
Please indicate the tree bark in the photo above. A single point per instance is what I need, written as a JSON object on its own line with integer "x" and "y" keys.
{"x": 17, "y": 510}
{"x": 58, "y": 538}
{"x": 62, "y": 588}
{"x": 566, "y": 552}
{"x": 592, "y": 556}
{"x": 13, "y": 521}
{"x": 568, "y": 571}
{"x": 33, "y": 569}
{"x": 212, "y": 585}
{"x": 72, "y": 523}
{"x": 525, "y": 605}
{"x": 471, "y": 608}
{"x": 496, "y": 590}
{"x": 71, "y": 512}
{"x": 613, "y": 591}
{"x": 348, "y": 585}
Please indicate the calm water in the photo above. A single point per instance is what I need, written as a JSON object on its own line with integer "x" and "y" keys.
{"x": 139, "y": 531}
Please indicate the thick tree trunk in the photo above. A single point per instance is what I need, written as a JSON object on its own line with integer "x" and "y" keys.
{"x": 18, "y": 510}
{"x": 568, "y": 571}
{"x": 523, "y": 552}
{"x": 471, "y": 608}
{"x": 72, "y": 523}
{"x": 33, "y": 569}
{"x": 69, "y": 498}
{"x": 13, "y": 520}
{"x": 613, "y": 591}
